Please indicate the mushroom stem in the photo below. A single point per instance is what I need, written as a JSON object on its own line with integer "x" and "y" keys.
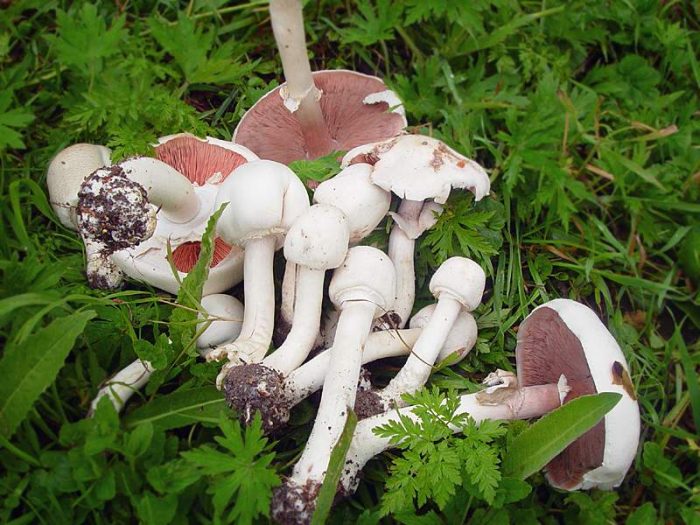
{"x": 309, "y": 377}
{"x": 259, "y": 313}
{"x": 123, "y": 384}
{"x": 301, "y": 96}
{"x": 414, "y": 374}
{"x": 519, "y": 403}
{"x": 401, "y": 253}
{"x": 341, "y": 386}
{"x": 288, "y": 292}
{"x": 100, "y": 269}
{"x": 305, "y": 324}
{"x": 166, "y": 187}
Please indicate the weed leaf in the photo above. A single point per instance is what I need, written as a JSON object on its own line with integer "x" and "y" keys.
{"x": 547, "y": 437}
{"x": 31, "y": 367}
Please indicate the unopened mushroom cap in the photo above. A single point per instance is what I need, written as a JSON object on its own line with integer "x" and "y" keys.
{"x": 67, "y": 171}
{"x": 460, "y": 278}
{"x": 265, "y": 198}
{"x": 223, "y": 330}
{"x": 364, "y": 204}
{"x": 357, "y": 108}
{"x": 417, "y": 167}
{"x": 318, "y": 239}
{"x": 565, "y": 337}
{"x": 367, "y": 274}
{"x": 202, "y": 160}
{"x": 461, "y": 338}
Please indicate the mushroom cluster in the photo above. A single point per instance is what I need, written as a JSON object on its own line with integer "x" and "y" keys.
{"x": 133, "y": 213}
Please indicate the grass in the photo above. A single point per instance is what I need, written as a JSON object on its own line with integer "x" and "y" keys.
{"x": 584, "y": 112}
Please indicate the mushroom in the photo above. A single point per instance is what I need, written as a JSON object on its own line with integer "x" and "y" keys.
{"x": 316, "y": 242}
{"x": 66, "y": 173}
{"x": 362, "y": 288}
{"x": 458, "y": 285}
{"x": 265, "y": 198}
{"x": 564, "y": 351}
{"x": 363, "y": 203}
{"x": 313, "y": 114}
{"x": 220, "y": 322}
{"x": 416, "y": 168}
{"x": 187, "y": 173}
{"x": 206, "y": 163}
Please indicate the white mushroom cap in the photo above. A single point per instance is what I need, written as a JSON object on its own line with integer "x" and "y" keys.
{"x": 318, "y": 239}
{"x": 462, "y": 336}
{"x": 365, "y": 204}
{"x": 265, "y": 198}
{"x": 66, "y": 173}
{"x": 460, "y": 278}
{"x": 610, "y": 373}
{"x": 417, "y": 167}
{"x": 366, "y": 274}
{"x": 223, "y": 330}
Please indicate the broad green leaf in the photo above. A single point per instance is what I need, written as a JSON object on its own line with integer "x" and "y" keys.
{"x": 335, "y": 468}
{"x": 183, "y": 320}
{"x": 547, "y": 437}
{"x": 32, "y": 366}
{"x": 180, "y": 409}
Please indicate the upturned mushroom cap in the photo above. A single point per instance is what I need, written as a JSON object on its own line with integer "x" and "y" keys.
{"x": 202, "y": 160}
{"x": 67, "y": 171}
{"x": 367, "y": 274}
{"x": 223, "y": 330}
{"x": 460, "y": 278}
{"x": 318, "y": 239}
{"x": 265, "y": 198}
{"x": 417, "y": 167}
{"x": 566, "y": 337}
{"x": 462, "y": 336}
{"x": 364, "y": 204}
{"x": 357, "y": 108}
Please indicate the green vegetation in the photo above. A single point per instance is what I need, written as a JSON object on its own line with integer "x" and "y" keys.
{"x": 585, "y": 112}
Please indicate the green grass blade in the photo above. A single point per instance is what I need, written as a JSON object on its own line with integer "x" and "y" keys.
{"x": 32, "y": 366}
{"x": 547, "y": 437}
{"x": 335, "y": 469}
{"x": 180, "y": 409}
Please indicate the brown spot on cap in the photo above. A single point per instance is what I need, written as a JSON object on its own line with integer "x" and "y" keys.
{"x": 622, "y": 378}
{"x": 547, "y": 349}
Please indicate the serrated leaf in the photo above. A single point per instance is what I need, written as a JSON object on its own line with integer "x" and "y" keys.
{"x": 531, "y": 450}
{"x": 33, "y": 365}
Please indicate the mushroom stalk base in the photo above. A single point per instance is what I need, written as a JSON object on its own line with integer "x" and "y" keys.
{"x": 523, "y": 403}
{"x": 123, "y": 385}
{"x": 301, "y": 95}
